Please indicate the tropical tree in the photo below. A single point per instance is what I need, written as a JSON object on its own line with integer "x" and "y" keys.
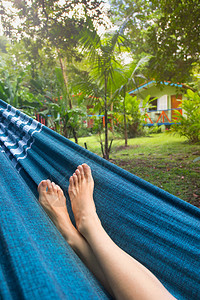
{"x": 129, "y": 81}
{"x": 51, "y": 28}
{"x": 3, "y": 44}
{"x": 102, "y": 54}
{"x": 169, "y": 31}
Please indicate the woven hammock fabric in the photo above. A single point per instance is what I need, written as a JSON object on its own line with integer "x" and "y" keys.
{"x": 158, "y": 229}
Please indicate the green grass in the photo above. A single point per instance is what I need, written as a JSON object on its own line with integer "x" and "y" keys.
{"x": 162, "y": 159}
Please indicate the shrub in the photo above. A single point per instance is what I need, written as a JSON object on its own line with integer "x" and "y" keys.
{"x": 135, "y": 115}
{"x": 189, "y": 121}
{"x": 156, "y": 129}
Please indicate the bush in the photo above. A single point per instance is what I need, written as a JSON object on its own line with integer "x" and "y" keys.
{"x": 156, "y": 129}
{"x": 135, "y": 115}
{"x": 189, "y": 121}
{"x": 83, "y": 132}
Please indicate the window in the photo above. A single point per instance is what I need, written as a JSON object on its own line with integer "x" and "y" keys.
{"x": 154, "y": 104}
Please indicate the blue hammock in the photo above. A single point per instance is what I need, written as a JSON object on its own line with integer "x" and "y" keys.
{"x": 158, "y": 229}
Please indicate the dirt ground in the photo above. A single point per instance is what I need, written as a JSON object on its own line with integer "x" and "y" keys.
{"x": 173, "y": 174}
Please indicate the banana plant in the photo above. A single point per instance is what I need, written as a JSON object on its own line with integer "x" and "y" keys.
{"x": 63, "y": 119}
{"x": 10, "y": 90}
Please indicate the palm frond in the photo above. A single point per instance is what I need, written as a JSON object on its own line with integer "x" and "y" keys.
{"x": 90, "y": 39}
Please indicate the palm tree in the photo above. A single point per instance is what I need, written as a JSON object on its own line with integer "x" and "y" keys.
{"x": 101, "y": 53}
{"x": 129, "y": 81}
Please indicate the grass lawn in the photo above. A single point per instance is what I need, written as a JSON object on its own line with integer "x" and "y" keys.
{"x": 162, "y": 159}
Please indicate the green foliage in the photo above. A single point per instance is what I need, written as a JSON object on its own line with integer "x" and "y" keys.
{"x": 173, "y": 38}
{"x": 56, "y": 21}
{"x": 190, "y": 119}
{"x": 135, "y": 115}
{"x": 3, "y": 44}
{"x": 140, "y": 14}
{"x": 128, "y": 81}
{"x": 10, "y": 89}
{"x": 102, "y": 54}
{"x": 162, "y": 159}
{"x": 156, "y": 129}
{"x": 49, "y": 31}
{"x": 195, "y": 77}
{"x": 62, "y": 119}
{"x": 167, "y": 30}
{"x": 47, "y": 62}
{"x": 31, "y": 81}
{"x": 97, "y": 125}
{"x": 22, "y": 74}
{"x": 4, "y": 91}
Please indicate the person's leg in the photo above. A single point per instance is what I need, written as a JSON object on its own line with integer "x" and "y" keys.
{"x": 53, "y": 201}
{"x": 127, "y": 278}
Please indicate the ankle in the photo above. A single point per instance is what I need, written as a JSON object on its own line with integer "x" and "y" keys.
{"x": 88, "y": 223}
{"x": 72, "y": 238}
{"x": 64, "y": 225}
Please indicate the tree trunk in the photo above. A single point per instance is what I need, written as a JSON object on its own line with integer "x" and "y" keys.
{"x": 64, "y": 72}
{"x": 75, "y": 135}
{"x": 65, "y": 132}
{"x": 125, "y": 124}
{"x": 111, "y": 108}
{"x": 112, "y": 121}
{"x": 106, "y": 121}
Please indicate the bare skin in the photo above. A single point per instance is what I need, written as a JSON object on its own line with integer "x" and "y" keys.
{"x": 121, "y": 274}
{"x": 81, "y": 187}
{"x": 53, "y": 201}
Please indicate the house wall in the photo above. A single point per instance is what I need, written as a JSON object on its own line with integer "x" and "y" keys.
{"x": 158, "y": 92}
{"x": 163, "y": 95}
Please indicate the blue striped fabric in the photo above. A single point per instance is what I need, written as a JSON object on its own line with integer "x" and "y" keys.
{"x": 158, "y": 229}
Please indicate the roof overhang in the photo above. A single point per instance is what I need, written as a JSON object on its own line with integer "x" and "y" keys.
{"x": 151, "y": 83}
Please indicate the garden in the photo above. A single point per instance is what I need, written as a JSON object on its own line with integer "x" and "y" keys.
{"x": 71, "y": 65}
{"x": 165, "y": 160}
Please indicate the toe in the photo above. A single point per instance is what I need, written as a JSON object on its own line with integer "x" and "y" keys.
{"x": 80, "y": 168}
{"x": 75, "y": 179}
{"x": 54, "y": 187}
{"x": 49, "y": 185}
{"x": 42, "y": 187}
{"x": 78, "y": 174}
{"x": 60, "y": 191}
{"x": 87, "y": 170}
{"x": 71, "y": 182}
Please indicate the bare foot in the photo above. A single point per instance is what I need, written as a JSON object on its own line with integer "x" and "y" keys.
{"x": 52, "y": 198}
{"x": 81, "y": 195}
{"x": 53, "y": 201}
